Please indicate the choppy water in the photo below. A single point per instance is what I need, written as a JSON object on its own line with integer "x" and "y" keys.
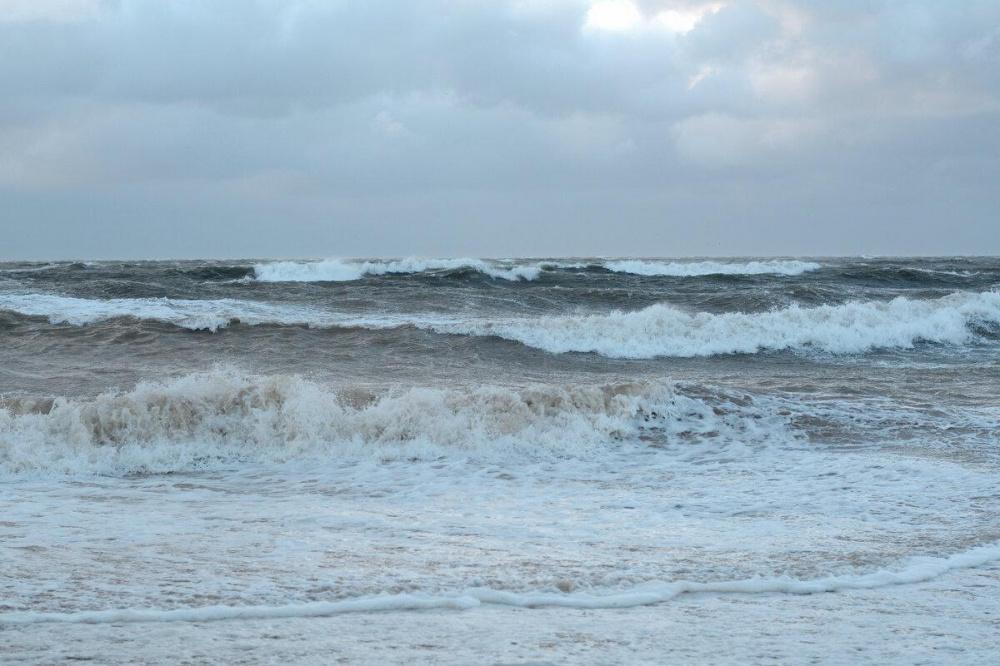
{"x": 309, "y": 447}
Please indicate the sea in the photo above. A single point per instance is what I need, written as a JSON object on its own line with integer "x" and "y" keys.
{"x": 500, "y": 461}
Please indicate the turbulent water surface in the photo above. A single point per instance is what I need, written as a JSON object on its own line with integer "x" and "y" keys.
{"x": 500, "y": 461}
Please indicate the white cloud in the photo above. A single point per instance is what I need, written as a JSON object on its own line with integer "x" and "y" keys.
{"x": 613, "y": 15}
{"x": 687, "y": 18}
{"x": 14, "y": 11}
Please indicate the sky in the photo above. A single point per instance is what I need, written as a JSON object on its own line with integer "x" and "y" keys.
{"x": 308, "y": 128}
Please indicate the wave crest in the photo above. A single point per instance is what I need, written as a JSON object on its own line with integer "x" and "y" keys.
{"x": 658, "y": 330}
{"x": 223, "y": 417}
{"x": 336, "y": 270}
{"x": 663, "y": 330}
{"x": 209, "y": 314}
{"x": 697, "y": 268}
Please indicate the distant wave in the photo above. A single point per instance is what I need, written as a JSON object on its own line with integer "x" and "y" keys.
{"x": 209, "y": 315}
{"x": 662, "y": 330}
{"x": 224, "y": 417}
{"x": 916, "y": 570}
{"x": 336, "y": 270}
{"x": 934, "y": 271}
{"x": 697, "y": 268}
{"x": 34, "y": 268}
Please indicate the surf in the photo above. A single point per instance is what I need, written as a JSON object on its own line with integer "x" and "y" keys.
{"x": 223, "y": 417}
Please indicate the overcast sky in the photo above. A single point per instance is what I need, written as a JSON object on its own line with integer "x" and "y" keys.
{"x": 227, "y": 128}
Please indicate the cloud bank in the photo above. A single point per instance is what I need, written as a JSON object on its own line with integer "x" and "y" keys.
{"x": 305, "y": 128}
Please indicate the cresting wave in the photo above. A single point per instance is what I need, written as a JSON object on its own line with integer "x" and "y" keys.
{"x": 336, "y": 270}
{"x": 210, "y": 315}
{"x": 663, "y": 330}
{"x": 918, "y": 570}
{"x": 222, "y": 417}
{"x": 658, "y": 330}
{"x": 698, "y": 268}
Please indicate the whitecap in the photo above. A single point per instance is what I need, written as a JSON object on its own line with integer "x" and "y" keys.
{"x": 698, "y": 268}
{"x": 338, "y": 270}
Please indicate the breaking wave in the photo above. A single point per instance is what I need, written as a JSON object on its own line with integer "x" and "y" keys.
{"x": 663, "y": 330}
{"x": 656, "y": 331}
{"x": 210, "y": 315}
{"x": 916, "y": 570}
{"x": 222, "y": 417}
{"x": 697, "y": 268}
{"x": 336, "y": 270}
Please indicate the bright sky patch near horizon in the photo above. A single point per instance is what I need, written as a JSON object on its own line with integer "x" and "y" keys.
{"x": 175, "y": 128}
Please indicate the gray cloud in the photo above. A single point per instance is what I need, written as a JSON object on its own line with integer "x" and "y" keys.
{"x": 148, "y": 128}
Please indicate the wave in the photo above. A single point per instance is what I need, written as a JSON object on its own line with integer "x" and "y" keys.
{"x": 218, "y": 273}
{"x": 917, "y": 570}
{"x": 222, "y": 417}
{"x": 657, "y": 331}
{"x": 336, "y": 270}
{"x": 697, "y": 268}
{"x": 37, "y": 268}
{"x": 941, "y": 271}
{"x": 663, "y": 330}
{"x": 209, "y": 315}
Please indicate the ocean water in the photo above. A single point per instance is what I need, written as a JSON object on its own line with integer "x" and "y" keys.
{"x": 590, "y": 460}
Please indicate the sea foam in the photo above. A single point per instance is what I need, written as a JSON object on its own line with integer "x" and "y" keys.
{"x": 917, "y": 570}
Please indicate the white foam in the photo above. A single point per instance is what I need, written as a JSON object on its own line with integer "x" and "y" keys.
{"x": 208, "y": 315}
{"x": 220, "y": 417}
{"x": 663, "y": 330}
{"x": 337, "y": 270}
{"x": 696, "y": 268}
{"x": 920, "y": 569}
